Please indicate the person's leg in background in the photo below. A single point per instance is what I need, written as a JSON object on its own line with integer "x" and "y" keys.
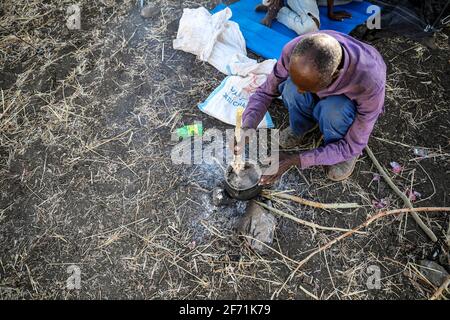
{"x": 301, "y": 119}
{"x": 323, "y": 3}
{"x": 336, "y": 15}
{"x": 335, "y": 115}
{"x": 307, "y": 9}
{"x": 302, "y": 16}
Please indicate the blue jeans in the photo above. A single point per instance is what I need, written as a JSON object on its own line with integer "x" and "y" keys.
{"x": 335, "y": 114}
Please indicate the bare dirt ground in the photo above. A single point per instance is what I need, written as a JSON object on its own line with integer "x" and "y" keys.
{"x": 86, "y": 177}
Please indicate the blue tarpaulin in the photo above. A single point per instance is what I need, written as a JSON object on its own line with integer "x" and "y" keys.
{"x": 268, "y": 42}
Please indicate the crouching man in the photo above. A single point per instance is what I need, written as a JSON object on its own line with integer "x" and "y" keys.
{"x": 327, "y": 79}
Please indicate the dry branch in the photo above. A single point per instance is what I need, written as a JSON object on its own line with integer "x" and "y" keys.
{"x": 363, "y": 225}
{"x": 448, "y": 234}
{"x": 405, "y": 199}
{"x": 311, "y": 203}
{"x": 440, "y": 291}
{"x": 298, "y": 220}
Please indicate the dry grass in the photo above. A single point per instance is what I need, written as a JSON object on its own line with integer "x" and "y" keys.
{"x": 86, "y": 176}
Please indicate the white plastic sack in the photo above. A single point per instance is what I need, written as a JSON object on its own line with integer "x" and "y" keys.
{"x": 243, "y": 66}
{"x": 212, "y": 38}
{"x": 198, "y": 31}
{"x": 215, "y": 39}
{"x": 234, "y": 92}
{"x": 229, "y": 43}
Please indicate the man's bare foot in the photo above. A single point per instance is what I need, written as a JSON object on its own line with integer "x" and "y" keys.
{"x": 272, "y": 10}
{"x": 267, "y": 22}
{"x": 261, "y": 8}
{"x": 339, "y": 15}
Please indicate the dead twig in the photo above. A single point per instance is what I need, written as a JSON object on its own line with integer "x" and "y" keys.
{"x": 405, "y": 199}
{"x": 440, "y": 291}
{"x": 363, "y": 225}
{"x": 311, "y": 203}
{"x": 308, "y": 293}
{"x": 448, "y": 234}
{"x": 306, "y": 223}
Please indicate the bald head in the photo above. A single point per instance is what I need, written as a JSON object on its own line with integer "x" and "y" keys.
{"x": 315, "y": 60}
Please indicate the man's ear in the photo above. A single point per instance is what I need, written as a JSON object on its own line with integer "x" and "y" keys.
{"x": 335, "y": 74}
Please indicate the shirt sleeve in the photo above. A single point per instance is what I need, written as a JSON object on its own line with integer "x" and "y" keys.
{"x": 260, "y": 101}
{"x": 354, "y": 141}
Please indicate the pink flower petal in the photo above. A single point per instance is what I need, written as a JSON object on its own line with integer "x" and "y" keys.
{"x": 414, "y": 195}
{"x": 192, "y": 245}
{"x": 420, "y": 152}
{"x": 376, "y": 177}
{"x": 383, "y": 203}
{"x": 396, "y": 167}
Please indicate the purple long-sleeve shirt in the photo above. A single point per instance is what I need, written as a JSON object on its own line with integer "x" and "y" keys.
{"x": 362, "y": 79}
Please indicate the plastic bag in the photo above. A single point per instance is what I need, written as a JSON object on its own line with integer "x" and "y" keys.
{"x": 215, "y": 39}
{"x": 230, "y": 43}
{"x": 234, "y": 92}
{"x": 211, "y": 38}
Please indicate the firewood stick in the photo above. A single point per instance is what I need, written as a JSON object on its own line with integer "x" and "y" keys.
{"x": 362, "y": 225}
{"x": 441, "y": 289}
{"x": 237, "y": 130}
{"x": 238, "y": 164}
{"x": 311, "y": 203}
{"x": 405, "y": 199}
{"x": 300, "y": 221}
{"x": 448, "y": 234}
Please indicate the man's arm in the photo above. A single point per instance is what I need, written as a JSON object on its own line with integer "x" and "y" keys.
{"x": 259, "y": 101}
{"x": 354, "y": 141}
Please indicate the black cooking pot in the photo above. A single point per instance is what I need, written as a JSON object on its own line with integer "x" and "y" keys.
{"x": 247, "y": 193}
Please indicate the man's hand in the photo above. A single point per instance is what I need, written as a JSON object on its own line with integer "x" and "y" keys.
{"x": 238, "y": 148}
{"x": 339, "y": 15}
{"x": 286, "y": 161}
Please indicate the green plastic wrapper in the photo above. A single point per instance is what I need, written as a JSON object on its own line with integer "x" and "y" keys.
{"x": 190, "y": 130}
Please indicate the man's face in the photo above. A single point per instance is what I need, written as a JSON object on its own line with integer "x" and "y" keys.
{"x": 304, "y": 75}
